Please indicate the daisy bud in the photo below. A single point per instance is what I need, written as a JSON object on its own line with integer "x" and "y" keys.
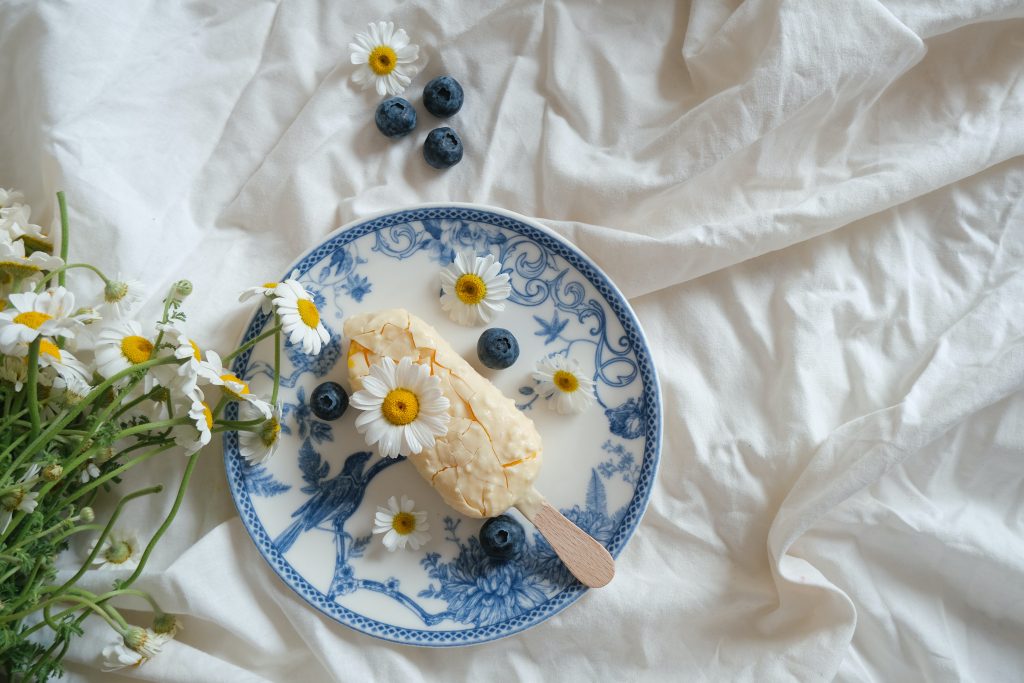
{"x": 87, "y": 515}
{"x": 105, "y": 455}
{"x": 166, "y": 623}
{"x": 182, "y": 288}
{"x": 53, "y": 472}
{"x": 144, "y": 641}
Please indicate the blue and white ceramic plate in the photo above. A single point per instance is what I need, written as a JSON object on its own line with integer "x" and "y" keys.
{"x": 599, "y": 466}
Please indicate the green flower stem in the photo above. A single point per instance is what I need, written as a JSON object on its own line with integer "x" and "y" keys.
{"x": 65, "y": 233}
{"x": 149, "y": 427}
{"x": 32, "y": 386}
{"x": 60, "y": 272}
{"x": 9, "y": 417}
{"x": 7, "y": 451}
{"x": 168, "y": 300}
{"x": 241, "y": 424}
{"x": 106, "y": 476}
{"x": 251, "y": 343}
{"x": 29, "y": 583}
{"x": 131, "y": 591}
{"x": 106, "y": 532}
{"x": 224, "y": 400}
{"x": 192, "y": 460}
{"x": 277, "y": 359}
{"x": 64, "y": 421}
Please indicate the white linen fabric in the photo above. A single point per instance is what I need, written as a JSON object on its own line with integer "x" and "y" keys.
{"x": 814, "y": 207}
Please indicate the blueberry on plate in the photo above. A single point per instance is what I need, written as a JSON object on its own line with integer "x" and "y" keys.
{"x": 497, "y": 348}
{"x": 443, "y": 148}
{"x": 502, "y": 538}
{"x": 395, "y": 117}
{"x": 328, "y": 401}
{"x": 443, "y": 96}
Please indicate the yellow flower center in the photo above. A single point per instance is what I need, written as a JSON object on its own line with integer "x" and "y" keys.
{"x": 307, "y": 311}
{"x": 566, "y": 381}
{"x": 243, "y": 389}
{"x": 208, "y": 414}
{"x": 33, "y": 244}
{"x": 404, "y": 523}
{"x": 400, "y": 407}
{"x": 3, "y": 304}
{"x": 470, "y": 289}
{"x": 269, "y": 285}
{"x": 196, "y": 353}
{"x": 136, "y": 349}
{"x": 33, "y": 319}
{"x": 383, "y": 60}
{"x": 50, "y": 349}
{"x": 269, "y": 433}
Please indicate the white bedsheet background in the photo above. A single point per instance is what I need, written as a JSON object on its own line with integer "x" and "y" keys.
{"x": 814, "y": 207}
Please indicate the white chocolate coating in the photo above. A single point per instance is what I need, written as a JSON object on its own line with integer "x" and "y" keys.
{"x": 489, "y": 458}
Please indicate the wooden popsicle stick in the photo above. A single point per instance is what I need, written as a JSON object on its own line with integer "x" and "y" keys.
{"x": 588, "y": 560}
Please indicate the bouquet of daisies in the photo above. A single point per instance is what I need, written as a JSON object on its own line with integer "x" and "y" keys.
{"x": 88, "y": 393}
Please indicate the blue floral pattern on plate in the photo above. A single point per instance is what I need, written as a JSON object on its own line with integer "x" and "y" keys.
{"x": 309, "y": 510}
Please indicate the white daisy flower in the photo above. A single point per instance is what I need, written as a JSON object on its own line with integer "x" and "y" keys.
{"x": 15, "y": 371}
{"x": 401, "y": 525}
{"x": 196, "y": 434}
{"x": 384, "y": 58}
{"x": 236, "y": 388}
{"x": 145, "y": 641}
{"x": 72, "y": 387}
{"x": 121, "y": 550}
{"x": 9, "y": 198}
{"x": 89, "y": 472}
{"x": 264, "y": 291}
{"x": 403, "y": 406}
{"x": 259, "y": 446}
{"x": 185, "y": 349}
{"x": 51, "y": 314}
{"x": 20, "y": 498}
{"x": 121, "y": 345}
{"x": 14, "y": 221}
{"x": 61, "y": 360}
{"x": 119, "y": 656}
{"x": 473, "y": 288}
{"x": 14, "y": 263}
{"x": 562, "y": 380}
{"x": 121, "y": 295}
{"x": 300, "y": 318}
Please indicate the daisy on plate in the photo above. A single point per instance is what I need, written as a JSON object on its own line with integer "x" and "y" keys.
{"x": 403, "y": 407}
{"x": 16, "y": 264}
{"x": 562, "y": 380}
{"x": 384, "y": 58}
{"x": 121, "y": 345}
{"x": 197, "y": 433}
{"x": 121, "y": 550}
{"x": 50, "y": 313}
{"x": 259, "y": 446}
{"x": 121, "y": 295}
{"x": 300, "y": 318}
{"x": 401, "y": 525}
{"x": 473, "y": 288}
{"x": 235, "y": 387}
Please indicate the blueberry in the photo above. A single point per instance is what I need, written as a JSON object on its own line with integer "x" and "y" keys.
{"x": 395, "y": 117}
{"x": 502, "y": 538}
{"x": 497, "y": 348}
{"x": 443, "y": 96}
{"x": 443, "y": 148}
{"x": 328, "y": 401}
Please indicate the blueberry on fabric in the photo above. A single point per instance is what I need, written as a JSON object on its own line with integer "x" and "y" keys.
{"x": 328, "y": 401}
{"x": 395, "y": 117}
{"x": 502, "y": 538}
{"x": 497, "y": 348}
{"x": 443, "y": 148}
{"x": 442, "y": 96}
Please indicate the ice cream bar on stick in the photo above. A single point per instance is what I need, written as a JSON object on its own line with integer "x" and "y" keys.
{"x": 487, "y": 460}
